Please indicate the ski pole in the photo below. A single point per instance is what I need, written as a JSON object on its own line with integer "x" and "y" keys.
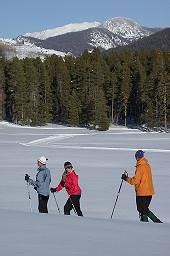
{"x": 118, "y": 195}
{"x": 56, "y": 203}
{"x": 29, "y": 196}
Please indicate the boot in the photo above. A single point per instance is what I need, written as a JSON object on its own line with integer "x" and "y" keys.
{"x": 143, "y": 218}
{"x": 153, "y": 217}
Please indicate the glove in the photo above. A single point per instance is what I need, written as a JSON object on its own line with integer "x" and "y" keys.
{"x": 53, "y": 190}
{"x": 124, "y": 177}
{"x": 27, "y": 177}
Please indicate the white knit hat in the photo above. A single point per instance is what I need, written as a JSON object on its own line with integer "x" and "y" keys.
{"x": 42, "y": 159}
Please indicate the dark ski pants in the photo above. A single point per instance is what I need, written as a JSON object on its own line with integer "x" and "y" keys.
{"x": 142, "y": 203}
{"x": 42, "y": 203}
{"x": 73, "y": 202}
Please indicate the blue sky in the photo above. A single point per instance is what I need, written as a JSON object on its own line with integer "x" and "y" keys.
{"x": 21, "y": 16}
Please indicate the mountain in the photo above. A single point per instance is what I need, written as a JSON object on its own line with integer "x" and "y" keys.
{"x": 76, "y": 42}
{"x": 63, "y": 30}
{"x": 126, "y": 28}
{"x": 75, "y": 38}
{"x": 159, "y": 40}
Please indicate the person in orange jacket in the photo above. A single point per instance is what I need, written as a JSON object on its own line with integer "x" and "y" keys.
{"x": 142, "y": 180}
{"x": 70, "y": 182}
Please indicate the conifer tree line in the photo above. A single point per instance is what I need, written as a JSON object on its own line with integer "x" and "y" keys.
{"x": 93, "y": 90}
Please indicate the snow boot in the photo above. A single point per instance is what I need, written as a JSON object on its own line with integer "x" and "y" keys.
{"x": 153, "y": 217}
{"x": 143, "y": 217}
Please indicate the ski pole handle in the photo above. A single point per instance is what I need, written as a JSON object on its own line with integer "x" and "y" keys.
{"x": 125, "y": 172}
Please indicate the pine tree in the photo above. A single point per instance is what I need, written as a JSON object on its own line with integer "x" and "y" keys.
{"x": 110, "y": 81}
{"x": 101, "y": 121}
{"x": 167, "y": 92}
{"x": 31, "y": 76}
{"x": 82, "y": 82}
{"x": 44, "y": 93}
{"x": 74, "y": 110}
{"x": 15, "y": 92}
{"x": 125, "y": 89}
{"x": 118, "y": 103}
{"x": 60, "y": 88}
{"x": 156, "y": 78}
{"x": 2, "y": 90}
{"x": 141, "y": 95}
{"x": 97, "y": 83}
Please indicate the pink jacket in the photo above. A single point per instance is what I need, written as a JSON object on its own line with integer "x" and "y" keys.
{"x": 70, "y": 182}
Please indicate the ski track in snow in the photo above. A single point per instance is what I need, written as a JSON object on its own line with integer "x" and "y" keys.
{"x": 48, "y": 142}
{"x": 120, "y": 149}
{"x": 49, "y": 139}
{"x": 54, "y": 140}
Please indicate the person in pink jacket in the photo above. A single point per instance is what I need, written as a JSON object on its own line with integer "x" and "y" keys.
{"x": 69, "y": 181}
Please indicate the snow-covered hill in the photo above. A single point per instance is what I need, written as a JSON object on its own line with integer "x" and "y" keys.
{"x": 63, "y": 30}
{"x": 75, "y": 38}
{"x": 23, "y": 49}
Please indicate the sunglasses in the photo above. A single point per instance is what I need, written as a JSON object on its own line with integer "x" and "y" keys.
{"x": 69, "y": 167}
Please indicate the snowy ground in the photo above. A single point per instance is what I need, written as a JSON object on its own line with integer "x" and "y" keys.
{"x": 99, "y": 158}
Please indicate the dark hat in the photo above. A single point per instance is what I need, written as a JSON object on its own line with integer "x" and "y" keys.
{"x": 67, "y": 164}
{"x": 139, "y": 154}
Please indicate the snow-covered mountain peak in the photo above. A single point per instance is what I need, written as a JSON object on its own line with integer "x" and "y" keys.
{"x": 123, "y": 20}
{"x": 125, "y": 27}
{"x": 72, "y": 27}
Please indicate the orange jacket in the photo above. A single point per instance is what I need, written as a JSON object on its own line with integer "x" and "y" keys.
{"x": 142, "y": 179}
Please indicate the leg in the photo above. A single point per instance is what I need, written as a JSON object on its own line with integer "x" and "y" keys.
{"x": 75, "y": 200}
{"x": 149, "y": 213}
{"x": 42, "y": 203}
{"x": 142, "y": 203}
{"x": 143, "y": 217}
{"x": 68, "y": 207}
{"x": 153, "y": 217}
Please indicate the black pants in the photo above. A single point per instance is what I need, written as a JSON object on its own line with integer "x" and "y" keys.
{"x": 142, "y": 203}
{"x": 73, "y": 202}
{"x": 42, "y": 203}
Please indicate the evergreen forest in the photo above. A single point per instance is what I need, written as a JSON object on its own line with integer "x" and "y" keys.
{"x": 93, "y": 90}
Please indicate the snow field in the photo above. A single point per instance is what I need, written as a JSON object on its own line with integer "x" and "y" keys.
{"x": 99, "y": 158}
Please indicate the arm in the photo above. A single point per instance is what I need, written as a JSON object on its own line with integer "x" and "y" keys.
{"x": 32, "y": 183}
{"x": 60, "y": 186}
{"x": 136, "y": 179}
{"x": 42, "y": 178}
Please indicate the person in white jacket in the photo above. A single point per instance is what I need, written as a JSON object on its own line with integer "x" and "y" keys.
{"x": 41, "y": 184}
